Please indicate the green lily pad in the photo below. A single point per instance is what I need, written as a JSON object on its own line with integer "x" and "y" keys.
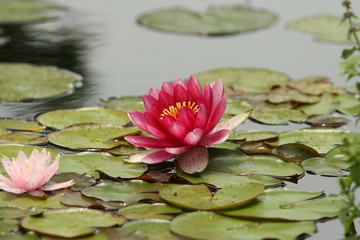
{"x": 124, "y": 150}
{"x": 81, "y": 181}
{"x": 291, "y": 96}
{"x": 278, "y": 116}
{"x": 253, "y": 136}
{"x": 15, "y": 212}
{"x": 71, "y": 222}
{"x": 76, "y": 199}
{"x": 326, "y": 121}
{"x": 295, "y": 152}
{"x": 27, "y": 236}
{"x": 22, "y": 11}
{"x": 150, "y": 211}
{"x": 234, "y": 107}
{"x": 218, "y": 20}
{"x": 321, "y": 139}
{"x": 56, "y": 119}
{"x": 19, "y": 124}
{"x": 91, "y": 136}
{"x": 325, "y": 27}
{"x": 209, "y": 225}
{"x": 320, "y": 166}
{"x": 222, "y": 160}
{"x": 200, "y": 196}
{"x": 92, "y": 162}
{"x": 24, "y": 201}
{"x": 315, "y": 86}
{"x": 221, "y": 179}
{"x": 245, "y": 79}
{"x": 29, "y": 138}
{"x": 153, "y": 229}
{"x": 259, "y": 100}
{"x": 129, "y": 192}
{"x": 289, "y": 204}
{"x": 8, "y": 225}
{"x": 125, "y": 103}
{"x": 25, "y": 81}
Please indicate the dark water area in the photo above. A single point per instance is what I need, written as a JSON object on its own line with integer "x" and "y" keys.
{"x": 101, "y": 41}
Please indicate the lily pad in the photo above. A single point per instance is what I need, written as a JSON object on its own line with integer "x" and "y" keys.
{"x": 76, "y": 199}
{"x": 71, "y": 223}
{"x": 24, "y": 201}
{"x": 289, "y": 204}
{"x": 234, "y": 107}
{"x": 295, "y": 152}
{"x": 29, "y": 138}
{"x": 320, "y": 166}
{"x": 291, "y": 96}
{"x": 218, "y": 20}
{"x": 327, "y": 121}
{"x": 22, "y": 11}
{"x": 200, "y": 196}
{"x": 321, "y": 139}
{"x": 278, "y": 116}
{"x": 315, "y": 86}
{"x": 92, "y": 162}
{"x": 245, "y": 79}
{"x": 56, "y": 119}
{"x": 325, "y": 27}
{"x": 153, "y": 229}
{"x": 19, "y": 124}
{"x": 25, "y": 81}
{"x": 8, "y": 225}
{"x": 91, "y": 136}
{"x": 129, "y": 192}
{"x": 27, "y": 236}
{"x": 252, "y": 136}
{"x": 15, "y": 212}
{"x": 125, "y": 103}
{"x": 209, "y": 225}
{"x": 222, "y": 160}
{"x": 81, "y": 181}
{"x": 150, "y": 211}
{"x": 221, "y": 179}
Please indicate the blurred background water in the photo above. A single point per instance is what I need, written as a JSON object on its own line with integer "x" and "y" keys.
{"x": 102, "y": 41}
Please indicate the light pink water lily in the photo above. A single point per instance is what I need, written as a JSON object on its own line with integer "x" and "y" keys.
{"x": 184, "y": 119}
{"x": 30, "y": 174}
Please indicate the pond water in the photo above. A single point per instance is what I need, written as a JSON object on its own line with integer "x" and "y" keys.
{"x": 102, "y": 41}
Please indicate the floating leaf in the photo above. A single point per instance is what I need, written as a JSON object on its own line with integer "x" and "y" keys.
{"x": 8, "y": 225}
{"x": 218, "y": 20}
{"x": 200, "y": 196}
{"x": 29, "y": 138}
{"x": 253, "y": 136}
{"x": 119, "y": 233}
{"x": 55, "y": 119}
{"x": 325, "y": 27}
{"x": 234, "y": 107}
{"x": 327, "y": 121}
{"x": 125, "y": 103}
{"x": 228, "y": 161}
{"x": 315, "y": 86}
{"x": 27, "y": 236}
{"x": 245, "y": 79}
{"x": 19, "y": 124}
{"x": 81, "y": 181}
{"x": 91, "y": 136}
{"x": 209, "y": 225}
{"x": 24, "y": 201}
{"x": 320, "y": 166}
{"x": 76, "y": 199}
{"x": 25, "y": 81}
{"x": 129, "y": 192}
{"x": 153, "y": 229}
{"x": 321, "y": 139}
{"x": 289, "y": 204}
{"x": 295, "y": 152}
{"x": 15, "y": 212}
{"x": 278, "y": 116}
{"x": 150, "y": 211}
{"x": 291, "y": 96}
{"x": 221, "y": 179}
{"x": 22, "y": 11}
{"x": 91, "y": 163}
{"x": 71, "y": 222}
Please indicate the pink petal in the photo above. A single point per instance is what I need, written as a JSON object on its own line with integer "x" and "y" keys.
{"x": 233, "y": 122}
{"x": 168, "y": 87}
{"x": 157, "y": 157}
{"x": 207, "y": 98}
{"x": 154, "y": 92}
{"x": 16, "y": 172}
{"x": 57, "y": 186}
{"x": 194, "y": 160}
{"x": 194, "y": 87}
{"x": 178, "y": 130}
{"x": 193, "y": 137}
{"x": 137, "y": 158}
{"x": 8, "y": 186}
{"x": 148, "y": 142}
{"x": 201, "y": 117}
{"x": 138, "y": 119}
{"x": 181, "y": 82}
{"x": 149, "y": 102}
{"x": 187, "y": 116}
{"x": 177, "y": 150}
{"x": 216, "y": 115}
{"x": 166, "y": 100}
{"x": 217, "y": 92}
{"x": 37, "y": 193}
{"x": 215, "y": 138}
{"x": 180, "y": 94}
{"x": 156, "y": 132}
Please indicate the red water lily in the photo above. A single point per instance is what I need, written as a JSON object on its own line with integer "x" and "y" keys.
{"x": 183, "y": 118}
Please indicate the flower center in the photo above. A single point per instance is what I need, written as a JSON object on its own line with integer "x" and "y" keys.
{"x": 27, "y": 164}
{"x": 173, "y": 110}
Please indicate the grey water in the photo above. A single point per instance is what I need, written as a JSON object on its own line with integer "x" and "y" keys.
{"x": 102, "y": 41}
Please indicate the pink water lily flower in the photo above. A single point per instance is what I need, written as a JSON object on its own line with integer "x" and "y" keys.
{"x": 184, "y": 119}
{"x": 30, "y": 174}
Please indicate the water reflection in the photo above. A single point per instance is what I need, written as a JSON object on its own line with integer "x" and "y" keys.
{"x": 63, "y": 47}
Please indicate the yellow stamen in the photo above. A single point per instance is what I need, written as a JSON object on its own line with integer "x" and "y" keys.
{"x": 173, "y": 110}
{"x": 27, "y": 164}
